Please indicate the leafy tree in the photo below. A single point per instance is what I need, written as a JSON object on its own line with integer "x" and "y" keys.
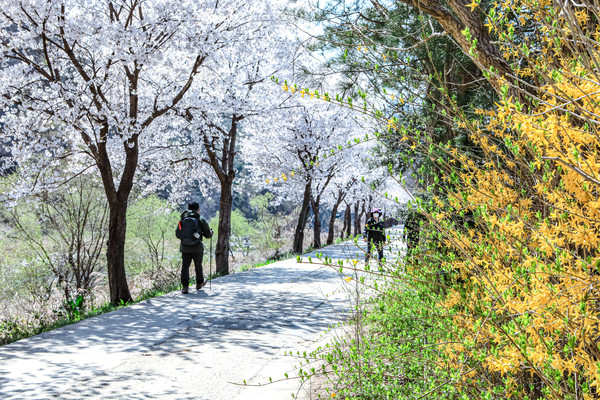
{"x": 413, "y": 72}
{"x": 66, "y": 231}
{"x": 150, "y": 224}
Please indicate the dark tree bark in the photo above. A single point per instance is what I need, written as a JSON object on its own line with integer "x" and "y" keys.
{"x": 356, "y": 219}
{"x": 344, "y": 226}
{"x": 115, "y": 254}
{"x": 340, "y": 197}
{"x": 304, "y": 211}
{"x": 314, "y": 203}
{"x": 363, "y": 212}
{"x": 117, "y": 222}
{"x": 224, "y": 231}
{"x": 348, "y": 220}
{"x": 223, "y": 165}
{"x": 331, "y": 233}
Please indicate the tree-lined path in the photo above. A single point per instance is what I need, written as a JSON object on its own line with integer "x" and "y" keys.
{"x": 192, "y": 346}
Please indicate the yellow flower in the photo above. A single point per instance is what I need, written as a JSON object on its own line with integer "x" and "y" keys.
{"x": 473, "y": 5}
{"x": 348, "y": 278}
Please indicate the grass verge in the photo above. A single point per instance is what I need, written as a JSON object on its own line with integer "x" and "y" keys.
{"x": 15, "y": 329}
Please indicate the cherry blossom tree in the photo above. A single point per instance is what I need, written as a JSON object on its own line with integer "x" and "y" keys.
{"x": 295, "y": 148}
{"x": 93, "y": 82}
{"x": 235, "y": 92}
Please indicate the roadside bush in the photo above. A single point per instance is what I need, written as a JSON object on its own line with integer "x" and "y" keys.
{"x": 152, "y": 250}
{"x": 243, "y": 239}
{"x": 52, "y": 269}
{"x": 391, "y": 347}
{"x": 274, "y": 229}
{"x": 64, "y": 233}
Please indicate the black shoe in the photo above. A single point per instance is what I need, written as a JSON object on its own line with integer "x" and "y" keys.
{"x": 200, "y": 285}
{"x": 184, "y": 290}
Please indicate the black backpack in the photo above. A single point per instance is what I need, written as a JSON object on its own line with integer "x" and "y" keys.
{"x": 189, "y": 231}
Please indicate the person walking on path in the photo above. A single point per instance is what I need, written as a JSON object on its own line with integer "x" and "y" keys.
{"x": 190, "y": 230}
{"x": 374, "y": 235}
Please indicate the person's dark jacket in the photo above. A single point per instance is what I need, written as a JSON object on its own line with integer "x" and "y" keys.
{"x": 203, "y": 230}
{"x": 374, "y": 230}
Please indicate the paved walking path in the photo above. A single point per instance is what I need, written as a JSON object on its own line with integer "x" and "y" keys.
{"x": 195, "y": 346}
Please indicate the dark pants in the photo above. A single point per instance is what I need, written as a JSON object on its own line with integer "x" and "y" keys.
{"x": 378, "y": 247}
{"x": 185, "y": 268}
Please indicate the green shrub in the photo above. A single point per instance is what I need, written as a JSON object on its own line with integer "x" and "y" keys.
{"x": 390, "y": 348}
{"x": 151, "y": 241}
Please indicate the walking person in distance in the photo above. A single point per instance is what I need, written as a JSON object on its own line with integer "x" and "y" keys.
{"x": 374, "y": 234}
{"x": 190, "y": 230}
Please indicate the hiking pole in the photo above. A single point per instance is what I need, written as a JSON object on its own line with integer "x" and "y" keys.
{"x": 210, "y": 266}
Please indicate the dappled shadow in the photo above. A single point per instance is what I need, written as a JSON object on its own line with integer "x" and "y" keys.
{"x": 270, "y": 299}
{"x": 243, "y": 313}
{"x": 136, "y": 385}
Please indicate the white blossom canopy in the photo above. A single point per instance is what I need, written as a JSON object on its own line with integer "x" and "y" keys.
{"x": 102, "y": 82}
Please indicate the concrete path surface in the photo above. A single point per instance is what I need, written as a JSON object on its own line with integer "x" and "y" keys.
{"x": 197, "y": 346}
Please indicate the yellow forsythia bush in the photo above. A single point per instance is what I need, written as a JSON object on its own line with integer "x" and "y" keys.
{"x": 527, "y": 305}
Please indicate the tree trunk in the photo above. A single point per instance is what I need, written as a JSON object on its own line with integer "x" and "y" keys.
{"x": 356, "y": 219}
{"x": 317, "y": 226}
{"x": 117, "y": 223}
{"x": 344, "y": 223}
{"x": 299, "y": 234}
{"x": 224, "y": 231}
{"x": 115, "y": 254}
{"x": 331, "y": 232}
{"x": 363, "y": 211}
{"x": 348, "y": 220}
{"x": 224, "y": 167}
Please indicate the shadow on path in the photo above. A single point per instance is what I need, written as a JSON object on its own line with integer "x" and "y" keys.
{"x": 185, "y": 346}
